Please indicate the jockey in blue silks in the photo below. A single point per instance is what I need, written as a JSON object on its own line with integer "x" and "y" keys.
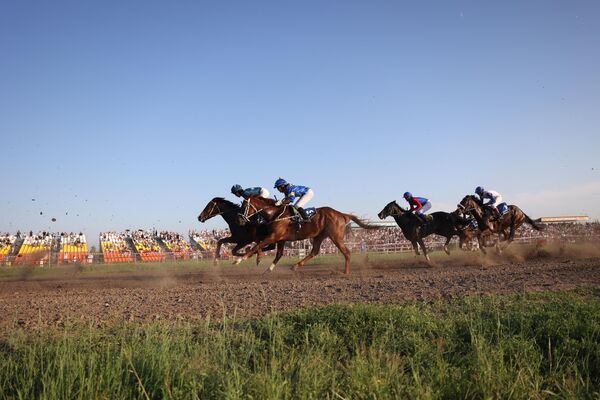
{"x": 302, "y": 195}
{"x": 418, "y": 205}
{"x": 249, "y": 192}
{"x": 494, "y": 200}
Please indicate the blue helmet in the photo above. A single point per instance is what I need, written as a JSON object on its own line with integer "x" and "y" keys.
{"x": 407, "y": 195}
{"x": 236, "y": 188}
{"x": 280, "y": 182}
{"x": 479, "y": 190}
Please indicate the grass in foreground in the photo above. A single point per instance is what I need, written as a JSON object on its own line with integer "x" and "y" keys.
{"x": 527, "y": 346}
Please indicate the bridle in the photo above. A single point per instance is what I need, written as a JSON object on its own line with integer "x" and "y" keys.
{"x": 246, "y": 213}
{"x": 399, "y": 213}
{"x": 216, "y": 205}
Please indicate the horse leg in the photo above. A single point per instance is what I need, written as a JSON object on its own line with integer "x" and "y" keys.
{"x": 415, "y": 247}
{"x": 481, "y": 241}
{"x": 280, "y": 247}
{"x": 220, "y": 242}
{"x": 420, "y": 240}
{"x": 446, "y": 245}
{"x": 256, "y": 249}
{"x": 339, "y": 242}
{"x": 315, "y": 250}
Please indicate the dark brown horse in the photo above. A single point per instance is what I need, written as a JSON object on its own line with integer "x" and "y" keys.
{"x": 326, "y": 223}
{"x": 504, "y": 226}
{"x": 240, "y": 235}
{"x": 414, "y": 230}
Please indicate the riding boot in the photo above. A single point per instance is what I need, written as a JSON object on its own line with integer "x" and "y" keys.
{"x": 420, "y": 218}
{"x": 302, "y": 213}
{"x": 496, "y": 213}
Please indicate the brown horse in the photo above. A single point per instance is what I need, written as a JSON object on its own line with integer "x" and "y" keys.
{"x": 326, "y": 223}
{"x": 504, "y": 226}
{"x": 240, "y": 235}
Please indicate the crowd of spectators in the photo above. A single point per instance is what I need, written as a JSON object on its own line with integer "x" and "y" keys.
{"x": 6, "y": 239}
{"x": 114, "y": 242}
{"x": 175, "y": 242}
{"x": 144, "y": 241}
{"x": 40, "y": 239}
{"x": 75, "y": 239}
{"x": 561, "y": 231}
{"x": 208, "y": 239}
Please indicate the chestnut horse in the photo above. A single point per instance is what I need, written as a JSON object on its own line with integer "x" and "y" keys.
{"x": 505, "y": 226}
{"x": 326, "y": 223}
{"x": 240, "y": 235}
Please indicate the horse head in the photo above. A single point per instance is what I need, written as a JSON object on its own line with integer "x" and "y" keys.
{"x": 468, "y": 203}
{"x": 216, "y": 206}
{"x": 392, "y": 209}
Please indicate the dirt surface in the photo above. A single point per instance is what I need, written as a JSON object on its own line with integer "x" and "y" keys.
{"x": 31, "y": 301}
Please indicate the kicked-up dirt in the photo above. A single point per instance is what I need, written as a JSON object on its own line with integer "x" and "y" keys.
{"x": 34, "y": 301}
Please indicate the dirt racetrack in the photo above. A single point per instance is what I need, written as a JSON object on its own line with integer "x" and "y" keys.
{"x": 72, "y": 295}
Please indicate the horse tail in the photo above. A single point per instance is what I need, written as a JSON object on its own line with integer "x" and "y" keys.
{"x": 361, "y": 223}
{"x": 533, "y": 223}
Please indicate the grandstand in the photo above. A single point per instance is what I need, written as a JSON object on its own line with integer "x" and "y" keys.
{"x": 175, "y": 244}
{"x": 73, "y": 248}
{"x": 35, "y": 249}
{"x": 7, "y": 242}
{"x": 115, "y": 248}
{"x": 146, "y": 246}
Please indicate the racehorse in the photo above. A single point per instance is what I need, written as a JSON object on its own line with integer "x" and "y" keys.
{"x": 326, "y": 223}
{"x": 440, "y": 223}
{"x": 240, "y": 235}
{"x": 505, "y": 225}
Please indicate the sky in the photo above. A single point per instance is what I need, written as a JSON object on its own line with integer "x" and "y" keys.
{"x": 124, "y": 115}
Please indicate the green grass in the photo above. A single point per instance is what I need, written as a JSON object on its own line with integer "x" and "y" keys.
{"x": 544, "y": 345}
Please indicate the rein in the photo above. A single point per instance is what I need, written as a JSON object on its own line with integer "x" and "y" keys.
{"x": 246, "y": 214}
{"x": 215, "y": 205}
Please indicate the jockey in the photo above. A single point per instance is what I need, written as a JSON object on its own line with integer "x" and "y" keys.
{"x": 495, "y": 199}
{"x": 418, "y": 205}
{"x": 301, "y": 194}
{"x": 245, "y": 193}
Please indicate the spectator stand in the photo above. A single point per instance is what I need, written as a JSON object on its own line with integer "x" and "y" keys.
{"x": 7, "y": 244}
{"x": 175, "y": 244}
{"x": 206, "y": 242}
{"x": 36, "y": 249}
{"x": 73, "y": 248}
{"x": 115, "y": 248}
{"x": 146, "y": 246}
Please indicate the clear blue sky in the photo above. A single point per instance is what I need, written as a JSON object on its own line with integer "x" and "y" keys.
{"x": 134, "y": 114}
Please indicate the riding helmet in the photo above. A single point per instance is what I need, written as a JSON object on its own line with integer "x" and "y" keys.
{"x": 479, "y": 190}
{"x": 280, "y": 182}
{"x": 236, "y": 188}
{"x": 407, "y": 195}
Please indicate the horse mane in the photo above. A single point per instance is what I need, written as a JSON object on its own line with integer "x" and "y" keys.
{"x": 222, "y": 200}
{"x": 399, "y": 206}
{"x": 269, "y": 202}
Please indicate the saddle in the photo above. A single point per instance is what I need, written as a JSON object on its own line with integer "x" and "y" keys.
{"x": 310, "y": 213}
{"x": 496, "y": 213}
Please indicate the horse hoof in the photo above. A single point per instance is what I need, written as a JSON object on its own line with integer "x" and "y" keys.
{"x": 272, "y": 267}
{"x": 238, "y": 261}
